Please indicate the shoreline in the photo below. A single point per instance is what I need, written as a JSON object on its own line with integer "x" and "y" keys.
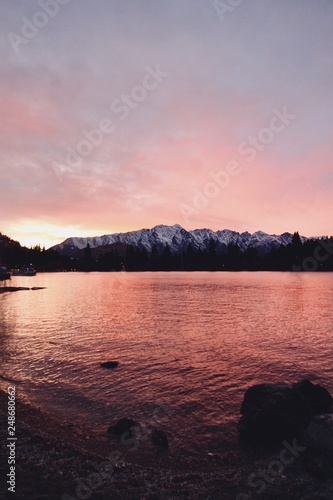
{"x": 54, "y": 460}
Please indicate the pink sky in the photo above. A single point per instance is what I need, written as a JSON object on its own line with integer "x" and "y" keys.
{"x": 200, "y": 87}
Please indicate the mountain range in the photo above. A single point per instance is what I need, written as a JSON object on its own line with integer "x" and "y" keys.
{"x": 178, "y": 239}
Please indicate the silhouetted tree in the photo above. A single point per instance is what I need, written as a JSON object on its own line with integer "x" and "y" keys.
{"x": 87, "y": 259}
{"x": 166, "y": 260}
{"x": 234, "y": 258}
{"x": 189, "y": 259}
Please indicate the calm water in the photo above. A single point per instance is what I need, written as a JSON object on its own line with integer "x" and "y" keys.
{"x": 188, "y": 344}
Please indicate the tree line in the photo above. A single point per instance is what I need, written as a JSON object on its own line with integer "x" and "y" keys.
{"x": 312, "y": 255}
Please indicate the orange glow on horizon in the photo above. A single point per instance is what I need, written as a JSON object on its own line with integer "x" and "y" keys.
{"x": 31, "y": 233}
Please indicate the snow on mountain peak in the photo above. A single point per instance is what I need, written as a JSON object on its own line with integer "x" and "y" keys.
{"x": 178, "y": 239}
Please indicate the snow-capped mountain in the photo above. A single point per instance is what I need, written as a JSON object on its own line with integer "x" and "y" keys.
{"x": 178, "y": 239}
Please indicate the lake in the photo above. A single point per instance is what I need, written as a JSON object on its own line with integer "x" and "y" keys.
{"x": 188, "y": 346}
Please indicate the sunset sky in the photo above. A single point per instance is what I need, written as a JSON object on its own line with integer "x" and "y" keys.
{"x": 123, "y": 114}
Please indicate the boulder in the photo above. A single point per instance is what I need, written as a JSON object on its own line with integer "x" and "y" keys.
{"x": 123, "y": 425}
{"x": 318, "y": 441}
{"x": 317, "y": 396}
{"x": 273, "y": 412}
{"x": 159, "y": 438}
{"x": 110, "y": 364}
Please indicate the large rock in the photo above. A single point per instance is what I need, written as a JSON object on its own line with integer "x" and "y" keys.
{"x": 317, "y": 396}
{"x": 273, "y": 412}
{"x": 123, "y": 425}
{"x": 318, "y": 441}
{"x": 159, "y": 438}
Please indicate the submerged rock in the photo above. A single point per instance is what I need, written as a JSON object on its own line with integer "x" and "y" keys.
{"x": 159, "y": 438}
{"x": 273, "y": 412}
{"x": 109, "y": 364}
{"x": 123, "y": 425}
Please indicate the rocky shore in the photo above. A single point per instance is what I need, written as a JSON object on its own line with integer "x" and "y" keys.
{"x": 55, "y": 460}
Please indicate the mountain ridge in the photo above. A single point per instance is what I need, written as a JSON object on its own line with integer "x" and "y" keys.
{"x": 178, "y": 239}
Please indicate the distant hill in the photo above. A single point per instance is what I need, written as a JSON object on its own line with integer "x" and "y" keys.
{"x": 14, "y": 255}
{"x": 7, "y": 246}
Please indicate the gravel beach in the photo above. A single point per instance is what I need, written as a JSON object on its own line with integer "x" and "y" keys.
{"x": 56, "y": 461}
